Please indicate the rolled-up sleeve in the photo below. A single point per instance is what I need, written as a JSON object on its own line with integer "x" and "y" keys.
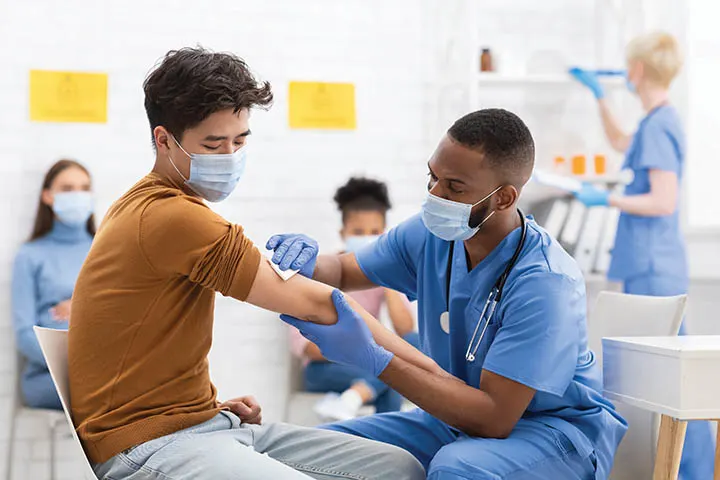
{"x": 182, "y": 236}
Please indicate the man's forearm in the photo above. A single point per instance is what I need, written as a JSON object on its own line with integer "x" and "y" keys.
{"x": 468, "y": 409}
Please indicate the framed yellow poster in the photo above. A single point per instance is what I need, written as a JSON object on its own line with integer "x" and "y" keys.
{"x": 321, "y": 105}
{"x": 68, "y": 96}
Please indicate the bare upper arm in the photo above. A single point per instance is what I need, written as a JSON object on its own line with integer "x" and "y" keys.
{"x": 510, "y": 400}
{"x": 299, "y": 296}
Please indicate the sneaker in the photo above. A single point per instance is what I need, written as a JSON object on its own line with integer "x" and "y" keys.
{"x": 332, "y": 409}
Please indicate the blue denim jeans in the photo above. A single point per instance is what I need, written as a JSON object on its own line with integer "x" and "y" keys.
{"x": 321, "y": 377}
{"x": 224, "y": 449}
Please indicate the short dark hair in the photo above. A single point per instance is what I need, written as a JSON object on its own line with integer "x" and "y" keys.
{"x": 362, "y": 194}
{"x": 190, "y": 84}
{"x": 502, "y": 137}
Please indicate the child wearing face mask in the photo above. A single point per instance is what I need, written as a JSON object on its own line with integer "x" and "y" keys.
{"x": 45, "y": 271}
{"x": 363, "y": 204}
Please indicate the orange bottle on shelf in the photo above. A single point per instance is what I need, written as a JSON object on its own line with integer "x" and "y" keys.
{"x": 600, "y": 165}
{"x": 486, "y": 60}
{"x": 579, "y": 165}
{"x": 559, "y": 164}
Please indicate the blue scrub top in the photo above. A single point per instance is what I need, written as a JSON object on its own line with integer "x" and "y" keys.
{"x": 537, "y": 336}
{"x": 651, "y": 245}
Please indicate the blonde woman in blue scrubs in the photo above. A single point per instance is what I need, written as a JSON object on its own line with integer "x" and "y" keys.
{"x": 649, "y": 254}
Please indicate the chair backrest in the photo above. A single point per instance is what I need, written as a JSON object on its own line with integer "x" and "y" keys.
{"x": 621, "y": 315}
{"x": 54, "y": 345}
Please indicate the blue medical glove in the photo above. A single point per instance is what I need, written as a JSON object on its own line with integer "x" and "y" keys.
{"x": 589, "y": 79}
{"x": 593, "y": 197}
{"x": 294, "y": 251}
{"x": 348, "y": 342}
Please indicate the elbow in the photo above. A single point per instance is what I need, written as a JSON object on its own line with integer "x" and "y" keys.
{"x": 661, "y": 209}
{"x": 500, "y": 432}
{"x": 666, "y": 209}
{"x": 497, "y": 430}
{"x": 322, "y": 309}
{"x": 619, "y": 145}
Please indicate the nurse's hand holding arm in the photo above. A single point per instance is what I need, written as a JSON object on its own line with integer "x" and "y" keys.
{"x": 491, "y": 411}
{"x": 618, "y": 139}
{"x": 311, "y": 301}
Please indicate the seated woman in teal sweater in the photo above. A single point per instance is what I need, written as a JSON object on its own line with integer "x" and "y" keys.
{"x": 45, "y": 271}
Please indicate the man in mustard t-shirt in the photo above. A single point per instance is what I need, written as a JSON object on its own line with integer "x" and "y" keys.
{"x": 142, "y": 316}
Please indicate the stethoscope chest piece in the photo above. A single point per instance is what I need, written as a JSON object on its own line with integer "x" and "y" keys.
{"x": 445, "y": 322}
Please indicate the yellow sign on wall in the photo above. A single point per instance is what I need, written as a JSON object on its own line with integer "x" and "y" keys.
{"x": 321, "y": 105}
{"x": 68, "y": 96}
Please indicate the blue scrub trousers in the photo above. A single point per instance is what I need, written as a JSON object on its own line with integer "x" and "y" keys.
{"x": 533, "y": 451}
{"x": 698, "y": 458}
{"x": 321, "y": 377}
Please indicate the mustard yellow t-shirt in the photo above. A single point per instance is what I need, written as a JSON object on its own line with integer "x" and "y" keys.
{"x": 142, "y": 316}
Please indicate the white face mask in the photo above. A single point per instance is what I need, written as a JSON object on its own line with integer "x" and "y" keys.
{"x": 213, "y": 176}
{"x": 356, "y": 242}
{"x": 450, "y": 220}
{"x": 73, "y": 208}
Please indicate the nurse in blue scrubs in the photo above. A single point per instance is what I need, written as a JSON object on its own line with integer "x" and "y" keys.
{"x": 521, "y": 397}
{"x": 649, "y": 255}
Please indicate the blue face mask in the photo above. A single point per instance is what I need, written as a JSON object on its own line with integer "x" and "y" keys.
{"x": 355, "y": 243}
{"x": 73, "y": 208}
{"x": 213, "y": 176}
{"x": 630, "y": 86}
{"x": 450, "y": 220}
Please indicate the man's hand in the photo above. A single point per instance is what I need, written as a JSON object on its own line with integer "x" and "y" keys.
{"x": 295, "y": 252}
{"x": 61, "y": 311}
{"x": 247, "y": 408}
{"x": 348, "y": 342}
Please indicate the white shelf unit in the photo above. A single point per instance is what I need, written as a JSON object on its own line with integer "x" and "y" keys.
{"x": 500, "y": 79}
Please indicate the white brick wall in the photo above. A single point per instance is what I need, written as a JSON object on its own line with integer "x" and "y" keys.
{"x": 408, "y": 58}
{"x": 291, "y": 176}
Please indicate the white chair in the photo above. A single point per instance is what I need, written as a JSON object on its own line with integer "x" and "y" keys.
{"x": 54, "y": 345}
{"x": 621, "y": 315}
{"x": 53, "y": 419}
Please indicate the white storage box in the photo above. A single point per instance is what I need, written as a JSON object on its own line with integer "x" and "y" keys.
{"x": 675, "y": 376}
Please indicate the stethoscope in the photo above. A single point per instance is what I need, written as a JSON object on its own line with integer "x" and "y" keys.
{"x": 494, "y": 296}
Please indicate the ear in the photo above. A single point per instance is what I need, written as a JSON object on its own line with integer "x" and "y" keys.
{"x": 162, "y": 138}
{"x": 342, "y": 233}
{"x": 47, "y": 197}
{"x": 506, "y": 197}
{"x": 640, "y": 71}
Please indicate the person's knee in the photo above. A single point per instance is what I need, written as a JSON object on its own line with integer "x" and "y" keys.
{"x": 447, "y": 465}
{"x": 402, "y": 465}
